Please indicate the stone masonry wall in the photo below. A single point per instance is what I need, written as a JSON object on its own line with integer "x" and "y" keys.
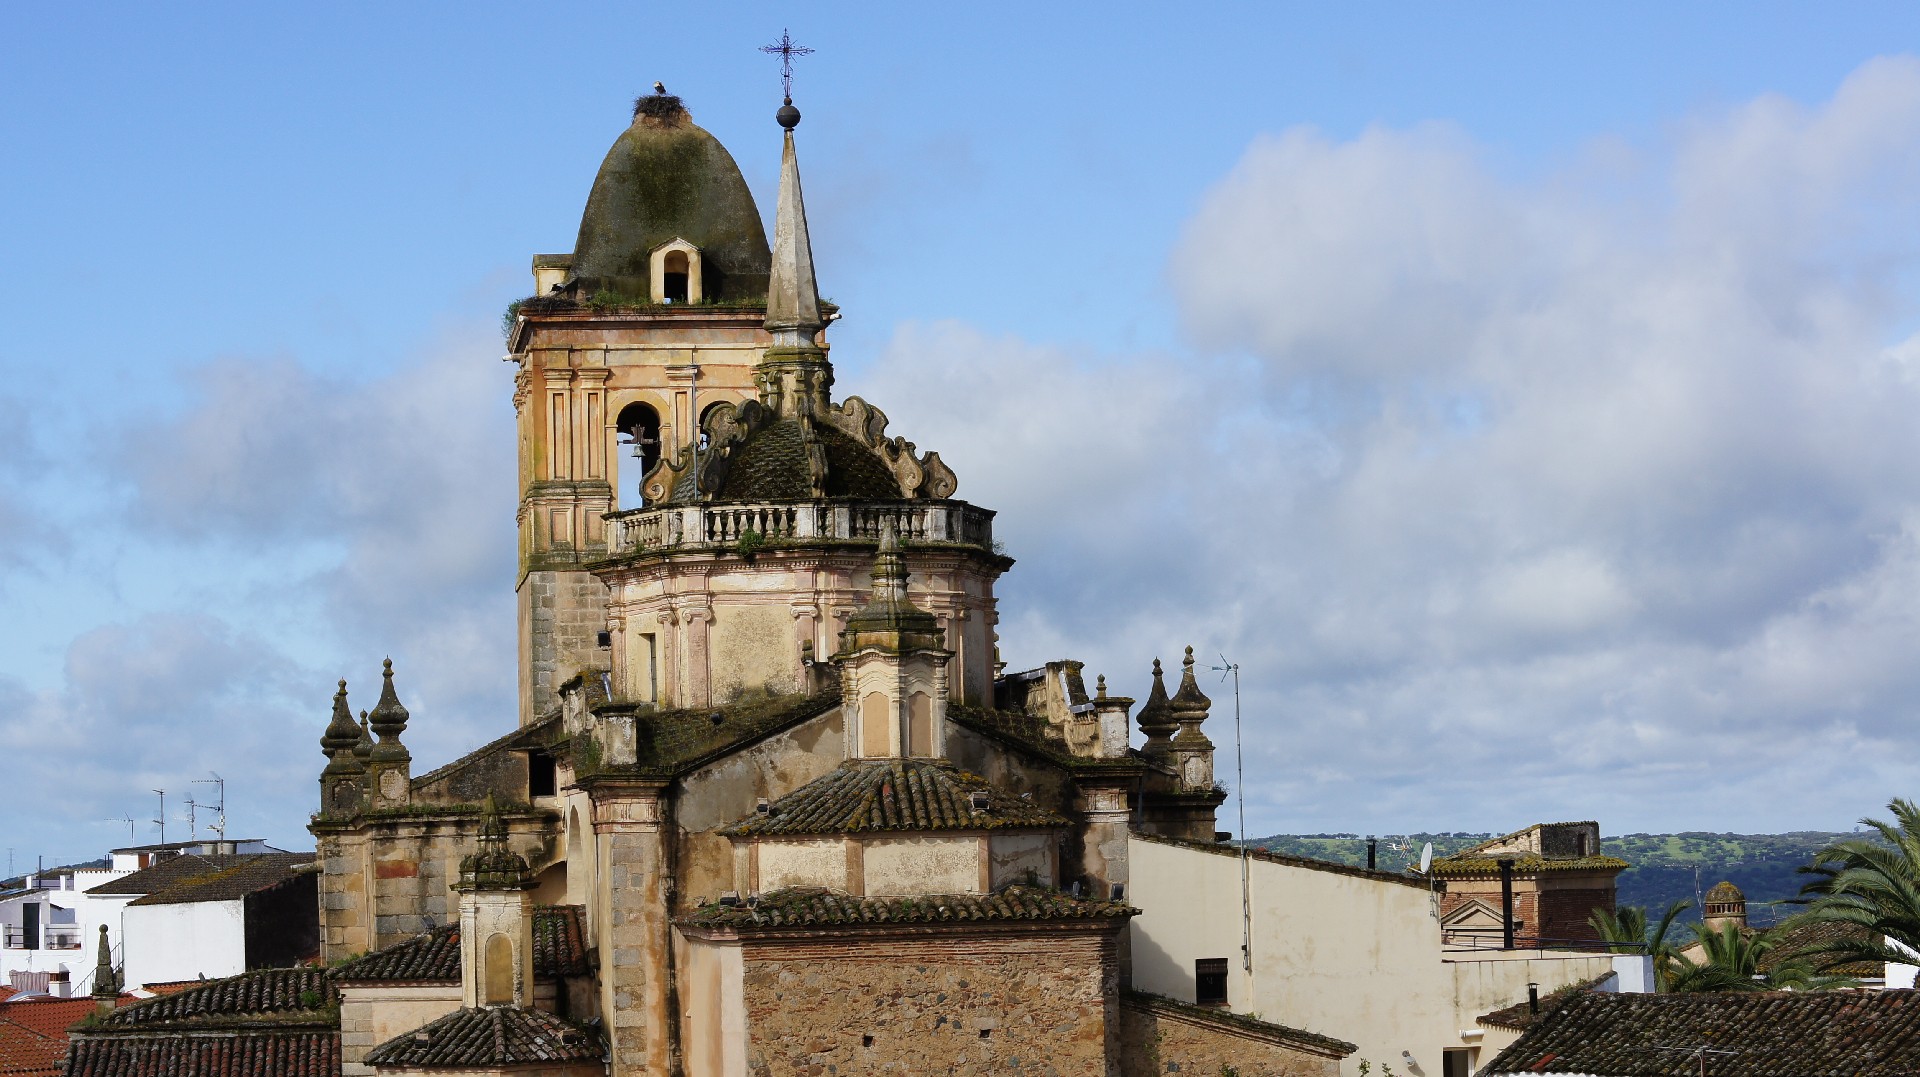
{"x": 562, "y": 614}
{"x": 956, "y": 1002}
{"x": 1156, "y": 1040}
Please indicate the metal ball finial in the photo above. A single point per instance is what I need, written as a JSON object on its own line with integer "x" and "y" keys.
{"x": 788, "y": 116}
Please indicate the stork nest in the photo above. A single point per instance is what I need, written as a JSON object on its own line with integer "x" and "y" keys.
{"x": 660, "y": 106}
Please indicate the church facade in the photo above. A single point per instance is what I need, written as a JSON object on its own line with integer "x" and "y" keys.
{"x": 770, "y": 804}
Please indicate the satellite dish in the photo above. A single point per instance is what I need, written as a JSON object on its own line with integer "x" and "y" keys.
{"x": 1426, "y": 858}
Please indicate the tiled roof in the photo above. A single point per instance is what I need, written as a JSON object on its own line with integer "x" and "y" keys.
{"x": 1769, "y": 1034}
{"x": 284, "y": 995}
{"x": 811, "y": 907}
{"x": 559, "y": 949}
{"x": 1791, "y": 941}
{"x": 1521, "y": 1016}
{"x": 1241, "y": 1024}
{"x": 232, "y": 879}
{"x": 269, "y": 1053}
{"x": 676, "y": 741}
{"x": 33, "y": 1033}
{"x": 227, "y": 871}
{"x": 895, "y": 795}
{"x": 538, "y": 735}
{"x": 489, "y": 1036}
{"x": 1523, "y": 864}
{"x": 1285, "y": 859}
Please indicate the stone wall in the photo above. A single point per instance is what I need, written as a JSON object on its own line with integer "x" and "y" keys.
{"x": 955, "y": 1001}
{"x": 562, "y": 614}
{"x": 1158, "y": 1037}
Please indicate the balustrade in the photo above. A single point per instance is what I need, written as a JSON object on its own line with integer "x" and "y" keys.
{"x": 726, "y": 524}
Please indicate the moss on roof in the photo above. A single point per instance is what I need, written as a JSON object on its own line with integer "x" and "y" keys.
{"x": 1237, "y": 1022}
{"x": 673, "y": 742}
{"x": 801, "y": 907}
{"x": 873, "y": 796}
{"x": 1523, "y": 864}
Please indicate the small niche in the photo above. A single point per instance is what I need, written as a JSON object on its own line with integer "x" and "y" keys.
{"x": 866, "y": 1041}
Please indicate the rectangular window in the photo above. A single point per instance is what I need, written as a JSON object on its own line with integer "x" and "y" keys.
{"x": 1210, "y": 981}
{"x": 540, "y": 775}
{"x": 1456, "y": 1062}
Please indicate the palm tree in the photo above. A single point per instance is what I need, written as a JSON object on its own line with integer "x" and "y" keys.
{"x": 1625, "y": 931}
{"x": 1729, "y": 960}
{"x": 1873, "y": 885}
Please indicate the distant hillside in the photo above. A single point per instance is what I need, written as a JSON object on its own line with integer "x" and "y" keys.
{"x": 1665, "y": 866}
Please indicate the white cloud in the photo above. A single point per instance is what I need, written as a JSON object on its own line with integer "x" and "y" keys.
{"x": 1588, "y": 495}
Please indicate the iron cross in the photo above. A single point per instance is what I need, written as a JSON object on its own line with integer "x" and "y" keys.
{"x": 786, "y": 50}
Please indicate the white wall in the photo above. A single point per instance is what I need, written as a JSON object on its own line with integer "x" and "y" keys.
{"x": 182, "y": 941}
{"x": 1340, "y": 954}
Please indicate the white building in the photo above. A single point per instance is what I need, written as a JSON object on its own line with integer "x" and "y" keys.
{"x": 1337, "y": 950}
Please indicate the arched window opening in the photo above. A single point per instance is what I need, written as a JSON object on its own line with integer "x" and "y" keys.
{"x": 706, "y": 417}
{"x": 499, "y": 961}
{"x": 673, "y": 277}
{"x": 639, "y": 427}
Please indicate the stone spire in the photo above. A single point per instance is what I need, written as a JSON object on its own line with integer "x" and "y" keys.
{"x": 1156, "y": 717}
{"x": 1190, "y": 706}
{"x": 389, "y": 764}
{"x": 106, "y": 983}
{"x": 363, "y": 748}
{"x": 793, "y": 298}
{"x": 494, "y": 866}
{"x": 1192, "y": 751}
{"x": 890, "y": 621}
{"x": 341, "y": 733}
{"x": 389, "y": 720}
{"x": 794, "y": 377}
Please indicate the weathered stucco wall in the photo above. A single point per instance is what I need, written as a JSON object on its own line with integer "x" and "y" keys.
{"x": 803, "y": 863}
{"x": 370, "y": 1016}
{"x": 1022, "y": 858}
{"x": 725, "y": 791}
{"x": 1158, "y": 1040}
{"x": 922, "y": 866}
{"x": 1337, "y": 952}
{"x": 962, "y": 1003}
{"x": 184, "y": 940}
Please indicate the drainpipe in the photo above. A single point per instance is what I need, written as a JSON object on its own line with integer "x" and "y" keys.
{"x": 1506, "y": 903}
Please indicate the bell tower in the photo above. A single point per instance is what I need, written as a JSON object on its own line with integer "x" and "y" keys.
{"x": 629, "y": 341}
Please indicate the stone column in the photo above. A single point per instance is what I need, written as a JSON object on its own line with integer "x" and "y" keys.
{"x": 697, "y": 688}
{"x": 630, "y": 820}
{"x": 669, "y": 660}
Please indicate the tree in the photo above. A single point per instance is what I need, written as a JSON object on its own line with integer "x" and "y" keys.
{"x": 1735, "y": 958}
{"x": 1625, "y": 930}
{"x": 1871, "y": 883}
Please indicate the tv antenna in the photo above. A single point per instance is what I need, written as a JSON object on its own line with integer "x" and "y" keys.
{"x": 1226, "y": 669}
{"x": 1701, "y": 1052}
{"x": 193, "y": 819}
{"x": 219, "y": 824}
{"x": 162, "y": 820}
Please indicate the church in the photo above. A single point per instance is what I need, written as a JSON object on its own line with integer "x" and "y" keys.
{"x": 771, "y": 804}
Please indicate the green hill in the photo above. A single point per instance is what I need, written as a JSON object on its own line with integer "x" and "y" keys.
{"x": 1666, "y": 867}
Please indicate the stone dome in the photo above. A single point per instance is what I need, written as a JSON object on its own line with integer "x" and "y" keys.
{"x": 773, "y": 465}
{"x": 1725, "y": 892}
{"x": 664, "y": 179}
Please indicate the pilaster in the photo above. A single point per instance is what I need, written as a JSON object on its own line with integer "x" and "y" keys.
{"x": 631, "y": 821}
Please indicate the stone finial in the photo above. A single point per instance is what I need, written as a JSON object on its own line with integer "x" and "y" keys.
{"x": 495, "y": 866}
{"x": 388, "y": 718}
{"x": 363, "y": 748}
{"x": 1156, "y": 716}
{"x": 1100, "y": 686}
{"x": 890, "y": 621}
{"x": 106, "y": 983}
{"x": 1189, "y": 706}
{"x": 793, "y": 298}
{"x": 341, "y": 732}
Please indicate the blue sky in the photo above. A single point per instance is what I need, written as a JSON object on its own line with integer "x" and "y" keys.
{"x": 1509, "y": 389}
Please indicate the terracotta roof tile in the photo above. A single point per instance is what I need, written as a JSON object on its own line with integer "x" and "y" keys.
{"x": 488, "y": 1037}
{"x": 33, "y": 1033}
{"x": 263, "y": 1054}
{"x": 1520, "y": 1016}
{"x": 232, "y": 878}
{"x": 286, "y": 995}
{"x": 895, "y": 795}
{"x": 810, "y": 907}
{"x": 1792, "y": 940}
{"x": 1770, "y": 1034}
{"x": 559, "y": 949}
